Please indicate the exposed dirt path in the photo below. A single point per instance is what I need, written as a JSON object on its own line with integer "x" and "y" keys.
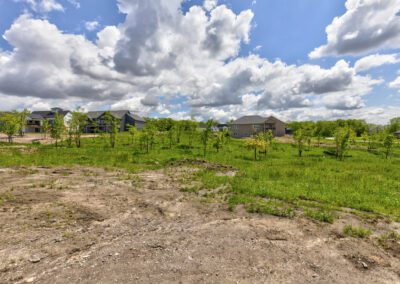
{"x": 81, "y": 225}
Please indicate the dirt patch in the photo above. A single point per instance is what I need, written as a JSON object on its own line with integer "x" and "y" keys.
{"x": 84, "y": 225}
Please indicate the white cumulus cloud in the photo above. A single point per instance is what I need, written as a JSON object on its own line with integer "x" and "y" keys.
{"x": 367, "y": 26}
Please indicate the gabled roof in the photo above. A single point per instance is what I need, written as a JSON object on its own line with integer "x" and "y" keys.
{"x": 250, "y": 119}
{"x": 116, "y": 113}
{"x": 136, "y": 117}
{"x": 47, "y": 114}
{"x": 254, "y": 119}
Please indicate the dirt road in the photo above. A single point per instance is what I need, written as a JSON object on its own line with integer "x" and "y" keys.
{"x": 81, "y": 225}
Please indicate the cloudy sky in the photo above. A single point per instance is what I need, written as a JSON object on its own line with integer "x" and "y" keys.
{"x": 296, "y": 59}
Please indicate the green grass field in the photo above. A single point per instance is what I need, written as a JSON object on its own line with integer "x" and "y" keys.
{"x": 274, "y": 184}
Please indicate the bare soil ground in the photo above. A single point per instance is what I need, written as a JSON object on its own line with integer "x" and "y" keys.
{"x": 87, "y": 225}
{"x": 29, "y": 138}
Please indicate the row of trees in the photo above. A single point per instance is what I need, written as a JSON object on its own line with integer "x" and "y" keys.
{"x": 13, "y": 123}
{"x": 322, "y": 129}
{"x": 344, "y": 137}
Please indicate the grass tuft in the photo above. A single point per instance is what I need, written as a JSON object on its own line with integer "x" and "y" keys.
{"x": 356, "y": 232}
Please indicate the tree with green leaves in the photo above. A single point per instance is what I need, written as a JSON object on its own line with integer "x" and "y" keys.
{"x": 394, "y": 125}
{"x": 132, "y": 130}
{"x": 112, "y": 125}
{"x": 58, "y": 128}
{"x": 148, "y": 136}
{"x": 388, "y": 143}
{"x": 171, "y": 133}
{"x": 77, "y": 125}
{"x": 218, "y": 140}
{"x": 191, "y": 130}
{"x": 206, "y": 134}
{"x": 9, "y": 124}
{"x": 23, "y": 120}
{"x": 46, "y": 127}
{"x": 343, "y": 137}
{"x": 255, "y": 143}
{"x": 268, "y": 137}
{"x": 300, "y": 137}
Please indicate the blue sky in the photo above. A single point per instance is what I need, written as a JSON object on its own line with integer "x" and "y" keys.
{"x": 278, "y": 42}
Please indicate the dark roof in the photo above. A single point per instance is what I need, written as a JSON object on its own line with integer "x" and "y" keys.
{"x": 397, "y": 132}
{"x": 253, "y": 119}
{"x": 116, "y": 113}
{"x": 47, "y": 114}
{"x": 136, "y": 117}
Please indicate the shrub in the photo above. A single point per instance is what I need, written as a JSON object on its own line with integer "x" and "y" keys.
{"x": 356, "y": 232}
{"x": 322, "y": 216}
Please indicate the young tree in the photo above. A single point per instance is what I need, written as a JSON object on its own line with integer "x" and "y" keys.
{"x": 205, "y": 135}
{"x": 57, "y": 129}
{"x": 132, "y": 130}
{"x": 77, "y": 126}
{"x": 113, "y": 126}
{"x": 148, "y": 133}
{"x": 388, "y": 144}
{"x": 255, "y": 143}
{"x": 343, "y": 136}
{"x": 9, "y": 125}
{"x": 171, "y": 133}
{"x": 46, "y": 127}
{"x": 268, "y": 138}
{"x": 191, "y": 129}
{"x": 300, "y": 137}
{"x": 218, "y": 140}
{"x": 23, "y": 120}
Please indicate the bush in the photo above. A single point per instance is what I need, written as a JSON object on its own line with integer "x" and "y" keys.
{"x": 322, "y": 216}
{"x": 356, "y": 232}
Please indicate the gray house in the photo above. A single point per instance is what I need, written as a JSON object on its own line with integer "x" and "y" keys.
{"x": 97, "y": 123}
{"x": 397, "y": 134}
{"x": 247, "y": 126}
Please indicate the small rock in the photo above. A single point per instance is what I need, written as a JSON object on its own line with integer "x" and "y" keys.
{"x": 34, "y": 258}
{"x": 364, "y": 265}
{"x": 315, "y": 275}
{"x": 30, "y": 280}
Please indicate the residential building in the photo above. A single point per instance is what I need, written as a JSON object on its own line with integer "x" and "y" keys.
{"x": 98, "y": 123}
{"x": 36, "y": 118}
{"x": 247, "y": 126}
{"x": 397, "y": 134}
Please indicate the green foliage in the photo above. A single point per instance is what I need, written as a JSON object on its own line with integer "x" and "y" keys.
{"x": 113, "y": 125}
{"x": 76, "y": 127}
{"x": 23, "y": 119}
{"x": 270, "y": 207}
{"x": 322, "y": 216}
{"x": 394, "y": 125}
{"x": 46, "y": 127}
{"x": 255, "y": 143}
{"x": 343, "y": 136}
{"x": 356, "y": 232}
{"x": 58, "y": 128}
{"x": 388, "y": 143}
{"x": 300, "y": 137}
{"x": 206, "y": 134}
{"x": 9, "y": 124}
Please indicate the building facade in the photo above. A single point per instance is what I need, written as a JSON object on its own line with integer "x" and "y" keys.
{"x": 247, "y": 126}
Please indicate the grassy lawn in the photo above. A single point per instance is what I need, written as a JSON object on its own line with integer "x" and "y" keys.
{"x": 363, "y": 181}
